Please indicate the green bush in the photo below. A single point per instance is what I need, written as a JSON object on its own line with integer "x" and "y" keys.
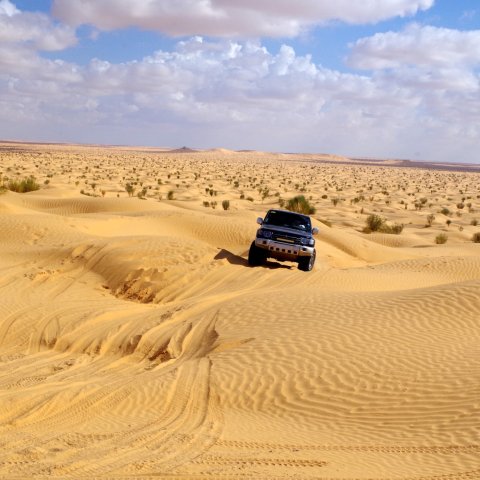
{"x": 300, "y": 204}
{"x": 22, "y": 186}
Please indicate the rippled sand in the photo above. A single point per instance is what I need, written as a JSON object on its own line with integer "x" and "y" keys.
{"x": 135, "y": 340}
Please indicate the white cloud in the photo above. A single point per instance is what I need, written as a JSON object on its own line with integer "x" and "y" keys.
{"x": 417, "y": 45}
{"x": 8, "y": 8}
{"x": 230, "y": 18}
{"x": 240, "y": 95}
{"x": 35, "y": 29}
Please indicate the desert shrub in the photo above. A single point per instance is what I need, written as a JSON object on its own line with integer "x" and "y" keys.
{"x": 441, "y": 238}
{"x": 300, "y": 204}
{"x": 430, "y": 219}
{"x": 226, "y": 204}
{"x": 474, "y": 222}
{"x": 206, "y": 204}
{"x": 476, "y": 237}
{"x": 396, "y": 228}
{"x": 374, "y": 222}
{"x": 170, "y": 195}
{"x": 22, "y": 186}
{"x": 130, "y": 189}
{"x": 445, "y": 211}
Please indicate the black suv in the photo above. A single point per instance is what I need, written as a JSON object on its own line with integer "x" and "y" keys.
{"x": 284, "y": 235}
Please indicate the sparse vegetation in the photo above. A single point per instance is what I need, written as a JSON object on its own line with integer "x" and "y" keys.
{"x": 300, "y": 204}
{"x": 441, "y": 238}
{"x": 367, "y": 192}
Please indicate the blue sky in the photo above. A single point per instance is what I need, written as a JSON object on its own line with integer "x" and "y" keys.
{"x": 387, "y": 78}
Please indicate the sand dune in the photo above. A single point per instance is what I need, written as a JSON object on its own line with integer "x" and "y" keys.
{"x": 135, "y": 340}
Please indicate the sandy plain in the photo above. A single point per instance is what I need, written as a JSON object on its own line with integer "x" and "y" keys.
{"x": 135, "y": 340}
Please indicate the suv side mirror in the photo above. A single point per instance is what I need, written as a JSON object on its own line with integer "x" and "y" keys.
{"x": 260, "y": 220}
{"x": 314, "y": 230}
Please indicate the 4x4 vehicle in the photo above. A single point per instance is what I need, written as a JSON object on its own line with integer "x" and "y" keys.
{"x": 284, "y": 236}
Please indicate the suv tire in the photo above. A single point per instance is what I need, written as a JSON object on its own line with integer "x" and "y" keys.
{"x": 306, "y": 263}
{"x": 256, "y": 256}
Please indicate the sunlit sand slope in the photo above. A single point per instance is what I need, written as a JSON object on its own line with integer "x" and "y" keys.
{"x": 135, "y": 341}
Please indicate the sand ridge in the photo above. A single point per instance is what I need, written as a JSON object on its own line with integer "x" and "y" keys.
{"x": 135, "y": 340}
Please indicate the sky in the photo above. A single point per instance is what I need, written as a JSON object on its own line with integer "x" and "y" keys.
{"x": 370, "y": 78}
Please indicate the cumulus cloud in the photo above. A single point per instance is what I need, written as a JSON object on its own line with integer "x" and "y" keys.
{"x": 236, "y": 94}
{"x": 423, "y": 46}
{"x": 35, "y": 29}
{"x": 230, "y": 18}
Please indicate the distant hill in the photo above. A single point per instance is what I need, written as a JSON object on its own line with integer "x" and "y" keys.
{"x": 183, "y": 150}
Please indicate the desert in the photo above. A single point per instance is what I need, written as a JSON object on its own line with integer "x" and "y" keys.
{"x": 137, "y": 342}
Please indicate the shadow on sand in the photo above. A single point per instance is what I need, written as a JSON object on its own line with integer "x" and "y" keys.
{"x": 240, "y": 260}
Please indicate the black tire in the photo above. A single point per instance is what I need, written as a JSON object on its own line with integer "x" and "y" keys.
{"x": 256, "y": 256}
{"x": 306, "y": 263}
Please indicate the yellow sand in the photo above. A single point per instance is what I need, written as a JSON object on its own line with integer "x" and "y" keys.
{"x": 135, "y": 341}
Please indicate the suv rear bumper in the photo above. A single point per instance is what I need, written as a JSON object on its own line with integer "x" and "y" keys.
{"x": 285, "y": 251}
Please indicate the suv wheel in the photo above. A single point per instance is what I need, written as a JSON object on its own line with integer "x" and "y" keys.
{"x": 255, "y": 255}
{"x": 306, "y": 263}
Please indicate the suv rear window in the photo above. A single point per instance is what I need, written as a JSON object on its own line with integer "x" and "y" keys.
{"x": 290, "y": 220}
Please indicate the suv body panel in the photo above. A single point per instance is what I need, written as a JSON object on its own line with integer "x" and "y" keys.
{"x": 284, "y": 243}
